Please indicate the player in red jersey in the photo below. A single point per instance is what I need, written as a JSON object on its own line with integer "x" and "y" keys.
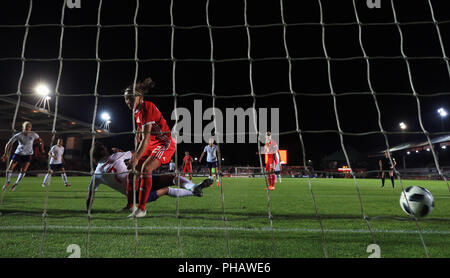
{"x": 155, "y": 145}
{"x": 273, "y": 155}
{"x": 187, "y": 165}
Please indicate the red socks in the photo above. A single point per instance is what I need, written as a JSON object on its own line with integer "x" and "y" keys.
{"x": 145, "y": 189}
{"x": 271, "y": 181}
{"x": 130, "y": 190}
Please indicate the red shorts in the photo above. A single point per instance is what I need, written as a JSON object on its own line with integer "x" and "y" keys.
{"x": 162, "y": 152}
{"x": 270, "y": 165}
{"x": 187, "y": 169}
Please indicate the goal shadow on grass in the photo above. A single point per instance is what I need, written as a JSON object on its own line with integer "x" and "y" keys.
{"x": 200, "y": 214}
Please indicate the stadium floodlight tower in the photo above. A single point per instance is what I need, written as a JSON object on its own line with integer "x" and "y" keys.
{"x": 106, "y": 118}
{"x": 403, "y": 127}
{"x": 442, "y": 113}
{"x": 43, "y": 93}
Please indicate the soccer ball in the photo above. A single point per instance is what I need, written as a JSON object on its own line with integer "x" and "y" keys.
{"x": 420, "y": 201}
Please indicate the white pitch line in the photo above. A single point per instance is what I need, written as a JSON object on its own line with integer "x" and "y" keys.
{"x": 357, "y": 231}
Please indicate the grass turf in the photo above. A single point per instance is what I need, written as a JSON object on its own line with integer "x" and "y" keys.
{"x": 294, "y": 231}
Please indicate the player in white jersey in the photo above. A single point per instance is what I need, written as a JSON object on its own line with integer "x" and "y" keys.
{"x": 56, "y": 154}
{"x": 23, "y": 153}
{"x": 278, "y": 167}
{"x": 171, "y": 166}
{"x": 112, "y": 171}
{"x": 212, "y": 156}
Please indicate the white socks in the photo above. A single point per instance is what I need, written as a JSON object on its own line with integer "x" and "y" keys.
{"x": 8, "y": 176}
{"x": 20, "y": 177}
{"x": 46, "y": 179}
{"x": 47, "y": 176}
{"x": 183, "y": 182}
{"x": 179, "y": 192}
{"x": 64, "y": 177}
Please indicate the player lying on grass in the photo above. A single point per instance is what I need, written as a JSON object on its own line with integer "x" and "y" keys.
{"x": 112, "y": 171}
{"x": 22, "y": 155}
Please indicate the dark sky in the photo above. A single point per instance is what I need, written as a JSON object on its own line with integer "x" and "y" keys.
{"x": 357, "y": 112}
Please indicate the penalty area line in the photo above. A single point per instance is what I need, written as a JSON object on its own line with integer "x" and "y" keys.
{"x": 143, "y": 228}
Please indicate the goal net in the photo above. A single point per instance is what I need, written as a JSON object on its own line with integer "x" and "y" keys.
{"x": 337, "y": 83}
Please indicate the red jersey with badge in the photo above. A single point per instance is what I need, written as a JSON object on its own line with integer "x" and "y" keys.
{"x": 161, "y": 144}
{"x": 148, "y": 114}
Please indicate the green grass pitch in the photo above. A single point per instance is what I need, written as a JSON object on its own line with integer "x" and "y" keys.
{"x": 247, "y": 232}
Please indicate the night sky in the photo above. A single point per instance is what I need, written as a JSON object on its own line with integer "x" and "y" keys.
{"x": 193, "y": 75}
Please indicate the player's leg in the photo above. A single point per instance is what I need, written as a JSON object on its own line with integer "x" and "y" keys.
{"x": 184, "y": 187}
{"x": 169, "y": 191}
{"x": 179, "y": 192}
{"x": 186, "y": 172}
{"x": 182, "y": 182}
{"x": 64, "y": 176}
{"x": 47, "y": 177}
{"x": 273, "y": 177}
{"x": 272, "y": 180}
{"x": 382, "y": 179}
{"x": 270, "y": 177}
{"x": 190, "y": 172}
{"x": 267, "y": 175}
{"x": 23, "y": 172}
{"x": 159, "y": 155}
{"x": 149, "y": 165}
{"x": 270, "y": 166}
{"x": 210, "y": 171}
{"x": 278, "y": 174}
{"x": 154, "y": 195}
{"x": 133, "y": 180}
{"x": 9, "y": 171}
{"x": 216, "y": 172}
{"x": 391, "y": 175}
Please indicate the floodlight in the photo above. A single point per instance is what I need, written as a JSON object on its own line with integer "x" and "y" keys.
{"x": 43, "y": 103}
{"x": 106, "y": 120}
{"x": 42, "y": 90}
{"x": 106, "y": 117}
{"x": 402, "y": 125}
{"x": 442, "y": 112}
